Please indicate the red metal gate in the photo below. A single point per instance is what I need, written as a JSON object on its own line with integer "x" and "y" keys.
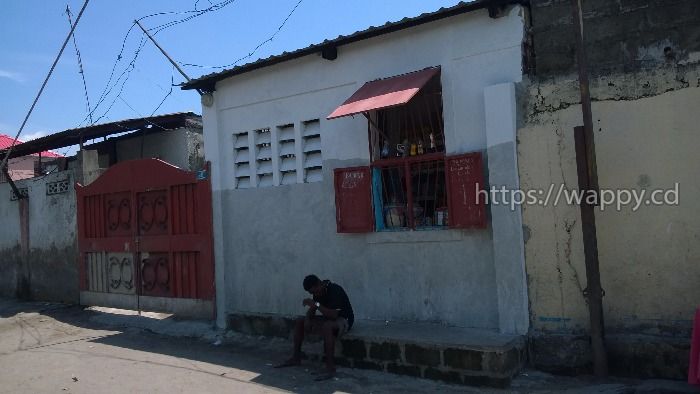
{"x": 145, "y": 239}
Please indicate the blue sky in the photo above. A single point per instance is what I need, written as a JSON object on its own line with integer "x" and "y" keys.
{"x": 32, "y": 32}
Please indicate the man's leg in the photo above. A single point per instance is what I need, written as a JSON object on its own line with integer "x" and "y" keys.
{"x": 299, "y": 329}
{"x": 329, "y": 331}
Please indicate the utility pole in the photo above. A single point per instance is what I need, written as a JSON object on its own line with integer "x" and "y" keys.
{"x": 588, "y": 183}
{"x": 174, "y": 63}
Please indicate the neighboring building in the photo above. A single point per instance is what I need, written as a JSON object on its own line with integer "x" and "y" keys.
{"x": 38, "y": 243}
{"x": 644, "y": 65}
{"x": 26, "y": 166}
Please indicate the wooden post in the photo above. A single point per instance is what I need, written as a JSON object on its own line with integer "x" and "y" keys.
{"x": 588, "y": 183}
{"x": 585, "y": 160}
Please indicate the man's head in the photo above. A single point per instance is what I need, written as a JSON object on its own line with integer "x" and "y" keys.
{"x": 313, "y": 285}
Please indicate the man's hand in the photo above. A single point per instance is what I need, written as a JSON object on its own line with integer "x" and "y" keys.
{"x": 309, "y": 302}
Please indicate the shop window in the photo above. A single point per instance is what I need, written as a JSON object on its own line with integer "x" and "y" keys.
{"x": 407, "y": 149}
{"x": 413, "y": 185}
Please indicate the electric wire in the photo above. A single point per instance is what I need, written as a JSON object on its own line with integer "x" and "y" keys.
{"x": 80, "y": 63}
{"x": 43, "y": 85}
{"x": 111, "y": 85}
{"x": 251, "y": 53}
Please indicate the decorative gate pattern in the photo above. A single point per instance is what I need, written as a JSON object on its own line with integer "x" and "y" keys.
{"x": 145, "y": 237}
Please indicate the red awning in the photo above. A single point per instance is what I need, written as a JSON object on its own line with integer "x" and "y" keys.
{"x": 384, "y": 93}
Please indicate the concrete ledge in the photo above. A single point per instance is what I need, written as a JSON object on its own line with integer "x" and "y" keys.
{"x": 629, "y": 355}
{"x": 183, "y": 307}
{"x": 428, "y": 235}
{"x": 431, "y": 351}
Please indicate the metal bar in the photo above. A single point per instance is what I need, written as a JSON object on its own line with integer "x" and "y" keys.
{"x": 409, "y": 196}
{"x": 174, "y": 63}
{"x": 14, "y": 187}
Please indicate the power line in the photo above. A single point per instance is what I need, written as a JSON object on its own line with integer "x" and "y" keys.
{"x": 80, "y": 63}
{"x": 127, "y": 72}
{"x": 197, "y": 14}
{"x": 41, "y": 90}
{"x": 109, "y": 87}
{"x": 272, "y": 37}
{"x": 172, "y": 76}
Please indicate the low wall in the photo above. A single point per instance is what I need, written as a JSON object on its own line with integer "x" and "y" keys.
{"x": 38, "y": 243}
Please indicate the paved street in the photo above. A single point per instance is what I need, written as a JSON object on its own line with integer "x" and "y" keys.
{"x": 50, "y": 348}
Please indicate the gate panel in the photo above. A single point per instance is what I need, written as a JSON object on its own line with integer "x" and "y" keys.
{"x": 144, "y": 234}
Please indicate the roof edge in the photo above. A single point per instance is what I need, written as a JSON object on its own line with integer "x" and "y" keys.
{"x": 208, "y": 82}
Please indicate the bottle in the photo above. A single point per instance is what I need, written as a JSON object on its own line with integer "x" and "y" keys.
{"x": 385, "y": 150}
{"x": 432, "y": 142}
{"x": 413, "y": 149}
{"x": 420, "y": 148}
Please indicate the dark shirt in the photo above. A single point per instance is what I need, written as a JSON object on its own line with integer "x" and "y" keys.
{"x": 336, "y": 298}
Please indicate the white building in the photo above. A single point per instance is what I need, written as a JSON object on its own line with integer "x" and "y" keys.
{"x": 282, "y": 208}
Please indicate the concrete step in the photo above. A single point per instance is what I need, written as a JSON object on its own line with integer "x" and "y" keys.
{"x": 432, "y": 351}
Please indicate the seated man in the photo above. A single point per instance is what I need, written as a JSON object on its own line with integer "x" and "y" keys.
{"x": 335, "y": 320}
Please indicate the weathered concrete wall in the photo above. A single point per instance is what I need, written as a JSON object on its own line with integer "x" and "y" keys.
{"x": 646, "y": 138}
{"x": 48, "y": 270}
{"x": 643, "y": 57}
{"x": 268, "y": 238}
{"x": 183, "y": 148}
{"x": 621, "y": 35}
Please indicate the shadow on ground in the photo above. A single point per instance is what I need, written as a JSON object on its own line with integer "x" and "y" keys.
{"x": 192, "y": 341}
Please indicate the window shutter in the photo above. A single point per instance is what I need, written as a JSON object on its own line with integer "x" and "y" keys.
{"x": 353, "y": 200}
{"x": 465, "y": 174}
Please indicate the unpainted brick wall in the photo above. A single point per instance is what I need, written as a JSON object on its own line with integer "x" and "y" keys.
{"x": 620, "y": 35}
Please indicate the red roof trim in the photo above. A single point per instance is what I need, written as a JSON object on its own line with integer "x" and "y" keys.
{"x": 6, "y": 142}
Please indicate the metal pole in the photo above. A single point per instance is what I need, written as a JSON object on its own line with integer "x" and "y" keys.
{"x": 174, "y": 63}
{"x": 588, "y": 182}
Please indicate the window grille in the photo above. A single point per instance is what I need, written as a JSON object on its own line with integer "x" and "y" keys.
{"x": 287, "y": 154}
{"x": 263, "y": 157}
{"x": 313, "y": 159}
{"x": 57, "y": 187}
{"x": 241, "y": 160}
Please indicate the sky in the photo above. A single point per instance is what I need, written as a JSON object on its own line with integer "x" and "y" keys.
{"x": 32, "y": 32}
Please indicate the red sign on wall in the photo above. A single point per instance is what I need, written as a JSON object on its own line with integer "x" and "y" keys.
{"x": 353, "y": 200}
{"x": 465, "y": 178}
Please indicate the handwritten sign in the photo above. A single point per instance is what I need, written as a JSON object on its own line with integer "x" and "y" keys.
{"x": 464, "y": 178}
{"x": 353, "y": 200}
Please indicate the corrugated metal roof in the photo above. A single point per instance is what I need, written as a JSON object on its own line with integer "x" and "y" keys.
{"x": 208, "y": 82}
{"x": 75, "y": 136}
{"x": 385, "y": 93}
{"x": 6, "y": 142}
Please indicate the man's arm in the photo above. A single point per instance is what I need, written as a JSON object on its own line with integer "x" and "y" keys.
{"x": 328, "y": 313}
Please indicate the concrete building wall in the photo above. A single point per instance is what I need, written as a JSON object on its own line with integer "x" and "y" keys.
{"x": 268, "y": 238}
{"x": 45, "y": 267}
{"x": 649, "y": 257}
{"x": 183, "y": 147}
{"x": 644, "y": 60}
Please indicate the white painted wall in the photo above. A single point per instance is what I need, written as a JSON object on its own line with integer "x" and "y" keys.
{"x": 473, "y": 50}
